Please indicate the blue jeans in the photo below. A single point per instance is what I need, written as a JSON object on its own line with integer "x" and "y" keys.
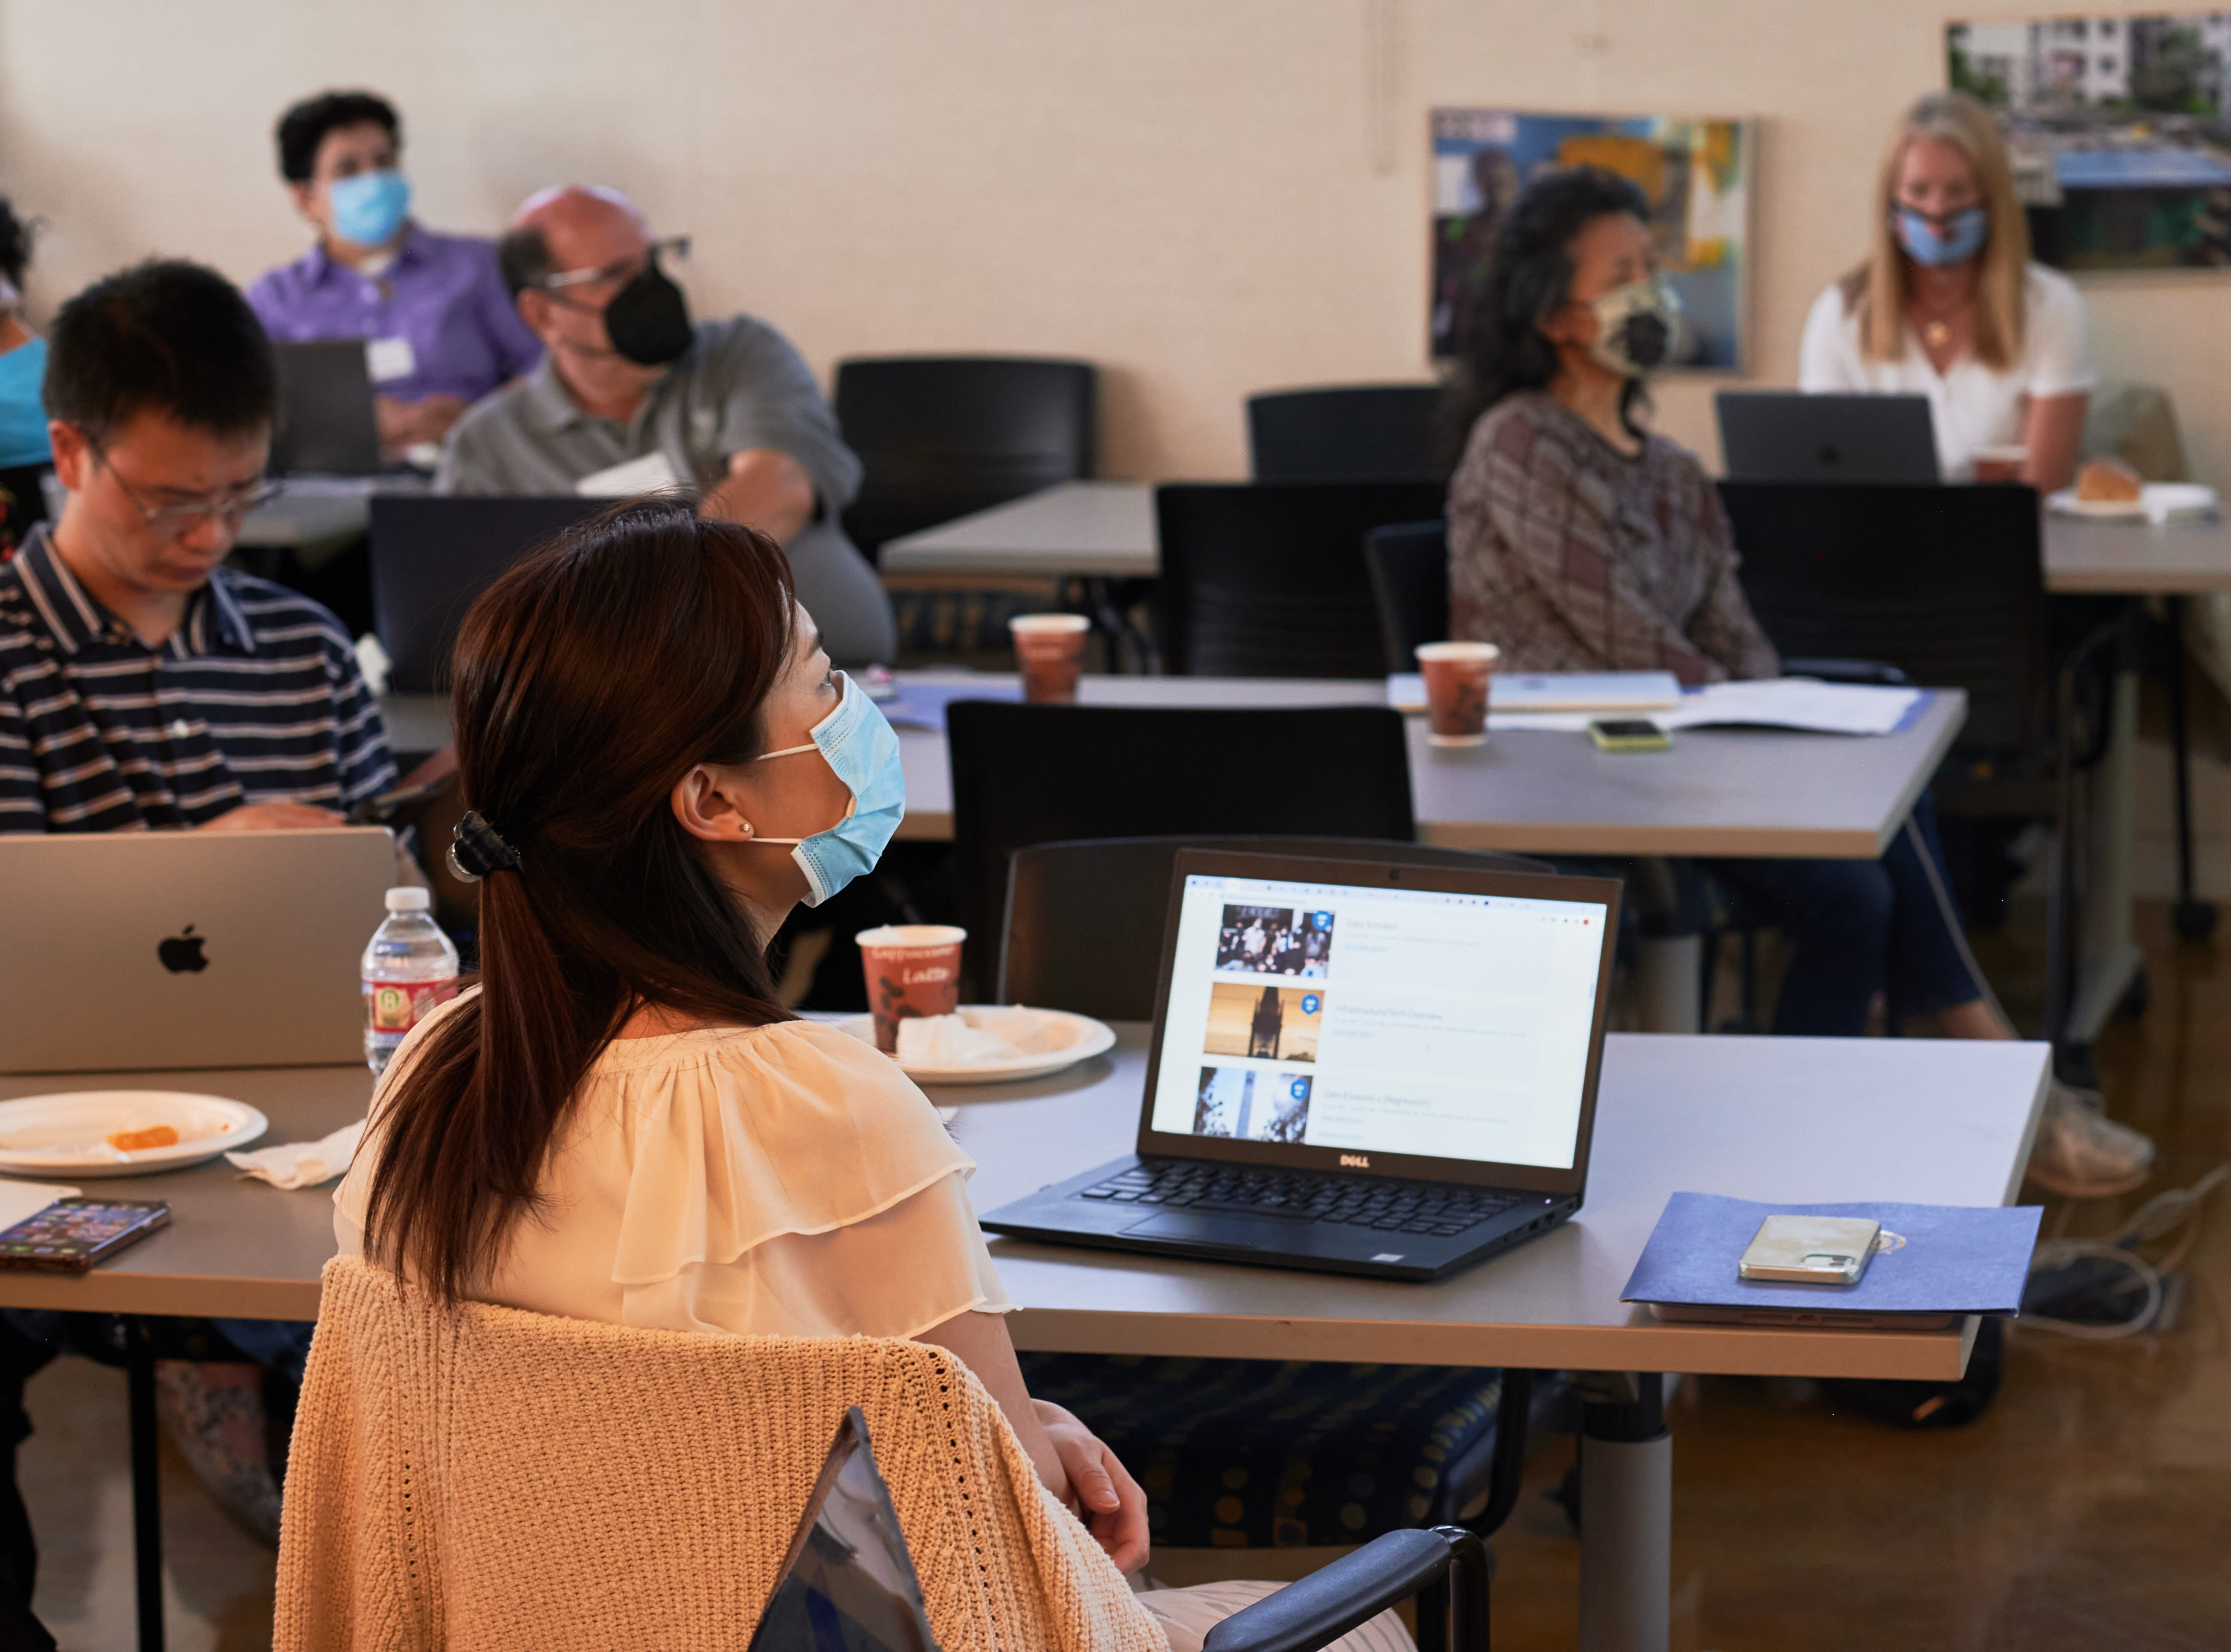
{"x": 1859, "y": 927}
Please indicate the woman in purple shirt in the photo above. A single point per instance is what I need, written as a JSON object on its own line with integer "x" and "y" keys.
{"x": 437, "y": 321}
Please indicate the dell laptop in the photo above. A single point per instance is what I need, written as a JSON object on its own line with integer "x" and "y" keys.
{"x": 433, "y": 554}
{"x": 1357, "y": 1068}
{"x": 1787, "y": 437}
{"x": 125, "y": 950}
{"x": 327, "y": 425}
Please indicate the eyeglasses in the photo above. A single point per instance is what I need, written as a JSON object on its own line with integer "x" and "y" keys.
{"x": 674, "y": 248}
{"x": 176, "y": 522}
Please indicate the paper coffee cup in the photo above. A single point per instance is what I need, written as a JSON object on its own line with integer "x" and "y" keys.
{"x": 912, "y": 970}
{"x": 1457, "y": 676}
{"x": 2000, "y": 464}
{"x": 1049, "y": 648}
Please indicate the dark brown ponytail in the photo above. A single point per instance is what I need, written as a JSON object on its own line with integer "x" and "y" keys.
{"x": 588, "y": 680}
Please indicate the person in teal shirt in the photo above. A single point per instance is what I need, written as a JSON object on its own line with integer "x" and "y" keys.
{"x": 24, "y": 455}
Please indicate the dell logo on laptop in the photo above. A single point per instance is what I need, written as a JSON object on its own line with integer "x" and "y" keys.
{"x": 1356, "y": 1161}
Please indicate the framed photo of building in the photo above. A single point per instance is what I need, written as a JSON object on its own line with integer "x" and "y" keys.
{"x": 2120, "y": 129}
{"x": 1695, "y": 173}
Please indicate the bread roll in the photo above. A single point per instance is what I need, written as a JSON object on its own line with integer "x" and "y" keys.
{"x": 2109, "y": 481}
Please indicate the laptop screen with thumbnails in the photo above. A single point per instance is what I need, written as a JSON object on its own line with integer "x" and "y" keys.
{"x": 1402, "y": 1020}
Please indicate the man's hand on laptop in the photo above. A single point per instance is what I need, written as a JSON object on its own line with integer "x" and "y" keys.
{"x": 273, "y": 817}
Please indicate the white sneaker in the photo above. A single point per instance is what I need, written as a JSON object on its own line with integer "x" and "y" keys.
{"x": 2081, "y": 1153}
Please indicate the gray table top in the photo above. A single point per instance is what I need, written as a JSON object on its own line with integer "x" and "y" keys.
{"x": 1753, "y": 792}
{"x": 1082, "y": 527}
{"x": 2181, "y": 559}
{"x": 1771, "y": 1118}
{"x": 1107, "y": 528}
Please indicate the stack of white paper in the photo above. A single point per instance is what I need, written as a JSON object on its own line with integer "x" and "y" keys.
{"x": 1796, "y": 702}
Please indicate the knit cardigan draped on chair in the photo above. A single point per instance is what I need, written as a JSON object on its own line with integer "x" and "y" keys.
{"x": 481, "y": 1477}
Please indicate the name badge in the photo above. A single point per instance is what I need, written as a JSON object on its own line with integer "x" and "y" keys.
{"x": 389, "y": 359}
{"x": 652, "y": 474}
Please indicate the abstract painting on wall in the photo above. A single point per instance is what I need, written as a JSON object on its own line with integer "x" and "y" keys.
{"x": 2120, "y": 129}
{"x": 1695, "y": 175}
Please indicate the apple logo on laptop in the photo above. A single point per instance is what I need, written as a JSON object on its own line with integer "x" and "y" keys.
{"x": 181, "y": 953}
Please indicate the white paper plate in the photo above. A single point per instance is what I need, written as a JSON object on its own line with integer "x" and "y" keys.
{"x": 2159, "y": 499}
{"x": 66, "y": 1135}
{"x": 1086, "y": 1038}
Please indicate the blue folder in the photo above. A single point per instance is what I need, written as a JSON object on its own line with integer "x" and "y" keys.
{"x": 922, "y": 705}
{"x": 1956, "y": 1259}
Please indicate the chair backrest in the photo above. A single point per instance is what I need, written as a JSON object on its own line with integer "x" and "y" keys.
{"x": 2136, "y": 424}
{"x": 482, "y": 1477}
{"x": 433, "y": 554}
{"x": 1344, "y": 433}
{"x": 940, "y": 437}
{"x": 1267, "y": 579}
{"x": 1083, "y": 927}
{"x": 1944, "y": 583}
{"x": 1409, "y": 569}
{"x": 1039, "y": 774}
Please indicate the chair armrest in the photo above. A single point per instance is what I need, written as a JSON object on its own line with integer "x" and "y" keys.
{"x": 1313, "y": 1613}
{"x": 1878, "y": 672}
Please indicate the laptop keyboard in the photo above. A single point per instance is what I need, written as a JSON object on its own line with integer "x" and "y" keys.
{"x": 1352, "y": 1201}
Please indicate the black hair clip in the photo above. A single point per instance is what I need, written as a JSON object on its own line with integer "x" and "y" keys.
{"x": 476, "y": 850}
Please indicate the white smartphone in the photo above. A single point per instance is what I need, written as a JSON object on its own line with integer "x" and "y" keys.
{"x": 1809, "y": 1250}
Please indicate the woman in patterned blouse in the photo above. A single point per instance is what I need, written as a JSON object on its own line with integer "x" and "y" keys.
{"x": 1580, "y": 541}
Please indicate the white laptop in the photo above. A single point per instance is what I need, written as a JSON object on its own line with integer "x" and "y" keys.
{"x": 131, "y": 950}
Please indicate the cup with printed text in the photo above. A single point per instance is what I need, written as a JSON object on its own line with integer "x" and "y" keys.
{"x": 1049, "y": 648}
{"x": 913, "y": 970}
{"x": 1457, "y": 675}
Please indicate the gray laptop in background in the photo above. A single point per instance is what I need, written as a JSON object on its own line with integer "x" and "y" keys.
{"x": 130, "y": 950}
{"x": 1788, "y": 436}
{"x": 326, "y": 424}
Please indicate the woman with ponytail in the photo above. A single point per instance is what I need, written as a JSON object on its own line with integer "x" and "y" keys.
{"x": 622, "y": 1123}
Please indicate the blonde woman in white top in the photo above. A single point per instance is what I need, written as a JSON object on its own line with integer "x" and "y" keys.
{"x": 622, "y": 1123}
{"x": 1949, "y": 305}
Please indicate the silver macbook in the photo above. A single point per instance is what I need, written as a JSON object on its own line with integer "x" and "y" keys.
{"x": 129, "y": 951}
{"x": 1358, "y": 1067}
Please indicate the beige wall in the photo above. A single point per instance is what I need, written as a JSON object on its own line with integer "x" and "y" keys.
{"x": 1206, "y": 196}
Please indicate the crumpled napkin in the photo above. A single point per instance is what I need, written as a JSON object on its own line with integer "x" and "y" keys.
{"x": 302, "y": 1164}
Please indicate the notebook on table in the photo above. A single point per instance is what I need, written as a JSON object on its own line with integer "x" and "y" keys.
{"x": 1357, "y": 1068}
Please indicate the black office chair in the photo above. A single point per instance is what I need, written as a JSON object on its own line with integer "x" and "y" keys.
{"x": 1409, "y": 567}
{"x": 1037, "y": 774}
{"x": 1947, "y": 585}
{"x": 1344, "y": 433}
{"x": 1268, "y": 579}
{"x": 1116, "y": 890}
{"x": 940, "y": 437}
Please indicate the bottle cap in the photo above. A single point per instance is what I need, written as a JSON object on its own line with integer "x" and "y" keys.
{"x": 410, "y": 900}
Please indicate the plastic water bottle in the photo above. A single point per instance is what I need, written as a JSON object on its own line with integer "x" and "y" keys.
{"x": 409, "y": 969}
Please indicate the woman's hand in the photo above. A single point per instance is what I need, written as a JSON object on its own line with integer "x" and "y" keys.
{"x": 1113, "y": 1507}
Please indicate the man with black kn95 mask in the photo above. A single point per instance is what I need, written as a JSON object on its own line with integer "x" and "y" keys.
{"x": 631, "y": 398}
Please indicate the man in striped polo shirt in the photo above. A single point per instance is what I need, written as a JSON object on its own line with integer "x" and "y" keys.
{"x": 145, "y": 685}
{"x": 141, "y": 683}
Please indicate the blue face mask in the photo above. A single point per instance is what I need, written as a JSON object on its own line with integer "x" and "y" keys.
{"x": 1960, "y": 239}
{"x": 369, "y": 208}
{"x": 863, "y": 749}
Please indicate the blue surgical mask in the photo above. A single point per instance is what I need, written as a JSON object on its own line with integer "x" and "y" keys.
{"x": 862, "y": 748}
{"x": 1960, "y": 239}
{"x": 369, "y": 208}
